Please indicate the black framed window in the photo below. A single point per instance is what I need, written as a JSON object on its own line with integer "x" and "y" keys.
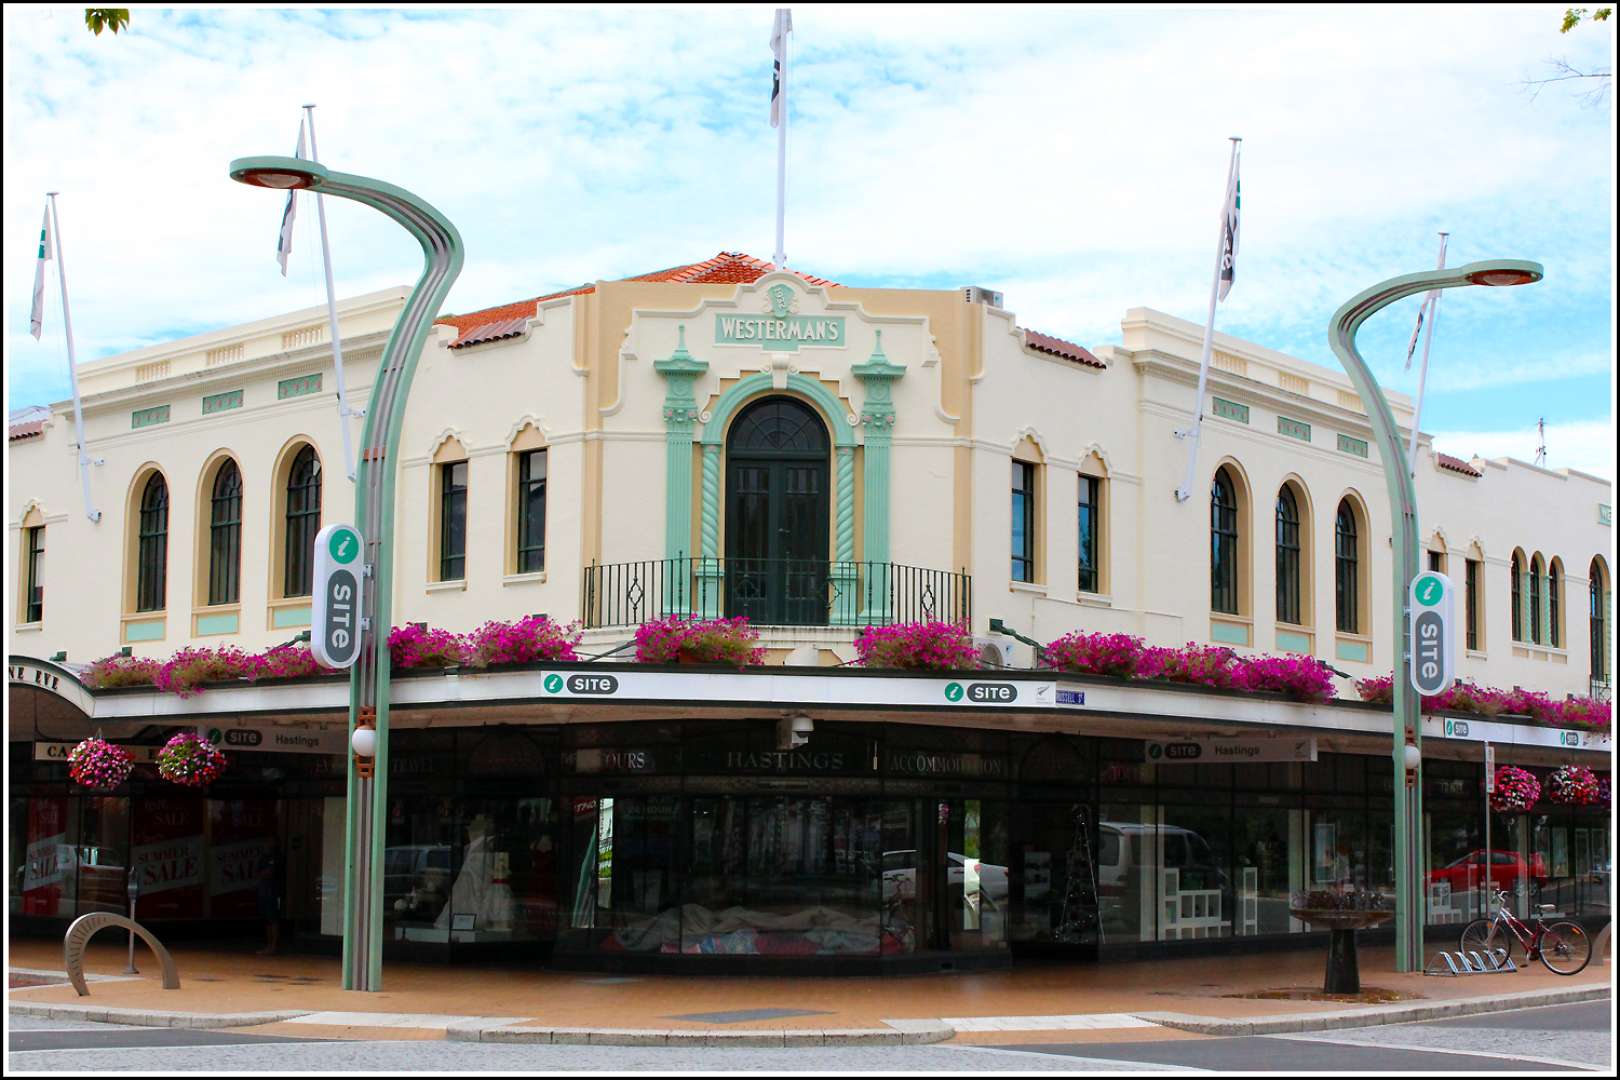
{"x": 1090, "y": 513}
{"x": 34, "y": 599}
{"x": 1516, "y": 568}
{"x": 1535, "y": 600}
{"x": 1023, "y": 521}
{"x": 1347, "y": 570}
{"x": 1595, "y": 617}
{"x": 303, "y": 522}
{"x": 1288, "y": 552}
{"x": 531, "y": 512}
{"x": 1471, "y": 603}
{"x": 453, "y": 521}
{"x": 1437, "y": 562}
{"x": 225, "y": 536}
{"x": 1552, "y": 606}
{"x": 1223, "y": 545}
{"x": 152, "y": 559}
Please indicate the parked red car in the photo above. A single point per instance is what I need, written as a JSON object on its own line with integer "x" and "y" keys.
{"x": 1506, "y": 869}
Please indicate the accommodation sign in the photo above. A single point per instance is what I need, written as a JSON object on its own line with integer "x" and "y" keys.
{"x": 780, "y": 333}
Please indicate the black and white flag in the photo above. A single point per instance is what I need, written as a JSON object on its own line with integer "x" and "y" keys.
{"x": 779, "y": 33}
{"x": 1229, "y": 231}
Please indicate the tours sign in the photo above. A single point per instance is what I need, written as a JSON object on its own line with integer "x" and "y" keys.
{"x": 335, "y": 616}
{"x": 1431, "y": 631}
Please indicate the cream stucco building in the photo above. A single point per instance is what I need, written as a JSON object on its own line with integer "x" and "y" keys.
{"x": 925, "y": 403}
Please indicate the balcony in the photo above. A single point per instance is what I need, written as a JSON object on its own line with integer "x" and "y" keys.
{"x": 773, "y": 592}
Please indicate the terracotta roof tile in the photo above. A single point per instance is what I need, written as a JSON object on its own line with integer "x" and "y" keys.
{"x": 492, "y": 331}
{"x": 728, "y": 267}
{"x": 24, "y": 431}
{"x": 1068, "y": 350}
{"x": 1446, "y": 461}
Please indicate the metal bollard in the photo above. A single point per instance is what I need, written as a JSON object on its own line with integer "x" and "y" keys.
{"x": 134, "y": 894}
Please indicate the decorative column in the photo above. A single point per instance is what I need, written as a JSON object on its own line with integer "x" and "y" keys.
{"x": 680, "y": 371}
{"x": 877, "y": 376}
{"x": 1546, "y": 606}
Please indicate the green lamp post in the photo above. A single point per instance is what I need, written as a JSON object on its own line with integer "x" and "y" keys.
{"x": 1408, "y": 736}
{"x": 374, "y": 512}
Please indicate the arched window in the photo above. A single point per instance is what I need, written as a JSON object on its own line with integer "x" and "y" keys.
{"x": 1288, "y": 549}
{"x": 1597, "y": 616}
{"x": 1536, "y": 576}
{"x": 303, "y": 522}
{"x": 1347, "y": 569}
{"x": 1555, "y": 585}
{"x": 1516, "y": 568}
{"x": 225, "y": 535}
{"x": 152, "y": 552}
{"x": 1223, "y": 544}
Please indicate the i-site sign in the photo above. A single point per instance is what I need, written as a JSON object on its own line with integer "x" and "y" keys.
{"x": 1431, "y": 628}
{"x": 334, "y": 635}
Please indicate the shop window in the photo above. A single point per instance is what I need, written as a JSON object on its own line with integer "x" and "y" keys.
{"x": 103, "y": 854}
{"x": 303, "y": 521}
{"x": 225, "y": 535}
{"x": 44, "y": 857}
{"x": 152, "y": 558}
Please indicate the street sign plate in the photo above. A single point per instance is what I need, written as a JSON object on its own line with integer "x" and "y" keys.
{"x": 1431, "y": 629}
{"x": 335, "y": 609}
{"x": 1490, "y": 769}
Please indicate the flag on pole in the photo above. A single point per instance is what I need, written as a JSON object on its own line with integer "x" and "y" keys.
{"x": 36, "y": 320}
{"x": 779, "y": 33}
{"x": 1229, "y": 232}
{"x": 1411, "y": 346}
{"x": 284, "y": 243}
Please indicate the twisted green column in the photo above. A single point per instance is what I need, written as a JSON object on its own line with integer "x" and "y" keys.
{"x": 878, "y": 375}
{"x": 709, "y": 573}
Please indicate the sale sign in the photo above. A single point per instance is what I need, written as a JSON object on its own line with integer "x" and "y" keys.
{"x": 47, "y": 885}
{"x": 166, "y": 856}
{"x": 244, "y": 836}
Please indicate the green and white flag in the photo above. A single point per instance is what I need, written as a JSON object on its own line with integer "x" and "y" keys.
{"x": 36, "y": 321}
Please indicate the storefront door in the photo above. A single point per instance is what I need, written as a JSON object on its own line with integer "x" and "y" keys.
{"x": 776, "y": 515}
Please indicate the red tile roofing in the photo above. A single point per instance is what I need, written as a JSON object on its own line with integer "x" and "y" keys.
{"x": 24, "y": 431}
{"x": 1457, "y": 465}
{"x": 1068, "y": 350}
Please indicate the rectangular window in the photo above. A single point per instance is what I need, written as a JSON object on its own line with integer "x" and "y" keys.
{"x": 1294, "y": 429}
{"x": 157, "y": 414}
{"x": 453, "y": 521}
{"x": 1090, "y": 488}
{"x": 298, "y": 386}
{"x": 1437, "y": 562}
{"x": 1471, "y": 604}
{"x": 531, "y": 512}
{"x": 1023, "y": 521}
{"x": 215, "y": 403}
{"x": 36, "y": 574}
{"x": 1350, "y": 445}
{"x": 1231, "y": 410}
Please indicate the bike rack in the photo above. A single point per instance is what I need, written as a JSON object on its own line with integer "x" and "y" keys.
{"x": 1472, "y": 962}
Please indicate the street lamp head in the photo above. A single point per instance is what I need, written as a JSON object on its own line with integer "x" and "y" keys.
{"x": 281, "y": 173}
{"x": 1512, "y": 276}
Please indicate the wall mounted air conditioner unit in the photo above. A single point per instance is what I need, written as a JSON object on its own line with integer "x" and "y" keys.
{"x": 996, "y": 651}
{"x": 972, "y": 294}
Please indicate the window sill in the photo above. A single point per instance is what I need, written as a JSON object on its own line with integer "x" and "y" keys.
{"x": 537, "y": 577}
{"x": 1092, "y": 599}
{"x": 1027, "y": 586}
{"x": 458, "y": 585}
{"x": 29, "y": 627}
{"x": 1474, "y": 654}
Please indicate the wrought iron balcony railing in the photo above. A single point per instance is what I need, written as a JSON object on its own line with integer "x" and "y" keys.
{"x": 773, "y": 592}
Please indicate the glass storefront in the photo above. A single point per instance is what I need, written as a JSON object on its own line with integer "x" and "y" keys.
{"x": 868, "y": 844}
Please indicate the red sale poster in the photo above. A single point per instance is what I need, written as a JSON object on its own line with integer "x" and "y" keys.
{"x": 167, "y": 856}
{"x": 244, "y": 833}
{"x": 47, "y": 885}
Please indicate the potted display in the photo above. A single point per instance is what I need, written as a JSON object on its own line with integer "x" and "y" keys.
{"x": 679, "y": 640}
{"x": 917, "y": 646}
{"x": 97, "y": 763}
{"x": 1343, "y": 913}
{"x": 1516, "y": 790}
{"x": 190, "y": 760}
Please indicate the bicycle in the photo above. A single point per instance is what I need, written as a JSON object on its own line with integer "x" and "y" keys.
{"x": 1563, "y": 947}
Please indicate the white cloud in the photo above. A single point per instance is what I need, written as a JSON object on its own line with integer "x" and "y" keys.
{"x": 1587, "y": 445}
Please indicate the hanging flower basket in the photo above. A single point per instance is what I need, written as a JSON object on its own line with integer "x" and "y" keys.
{"x": 190, "y": 760}
{"x": 1516, "y": 790}
{"x": 97, "y": 763}
{"x": 1574, "y": 785}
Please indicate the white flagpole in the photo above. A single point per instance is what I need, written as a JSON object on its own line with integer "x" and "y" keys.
{"x": 73, "y": 368}
{"x": 781, "y": 152}
{"x": 1184, "y": 492}
{"x": 1423, "y": 369}
{"x": 331, "y": 312}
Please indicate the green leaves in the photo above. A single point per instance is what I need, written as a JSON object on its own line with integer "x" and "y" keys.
{"x": 97, "y": 19}
{"x": 1573, "y": 17}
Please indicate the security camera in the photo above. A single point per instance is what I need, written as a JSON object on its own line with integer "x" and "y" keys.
{"x": 793, "y": 732}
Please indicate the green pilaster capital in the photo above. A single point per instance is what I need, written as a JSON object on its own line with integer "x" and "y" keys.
{"x": 878, "y": 374}
{"x": 680, "y": 371}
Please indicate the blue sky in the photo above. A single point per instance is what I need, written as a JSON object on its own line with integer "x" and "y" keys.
{"x": 1071, "y": 158}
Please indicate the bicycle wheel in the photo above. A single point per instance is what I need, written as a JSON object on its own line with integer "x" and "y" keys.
{"x": 1479, "y": 935}
{"x": 1566, "y": 949}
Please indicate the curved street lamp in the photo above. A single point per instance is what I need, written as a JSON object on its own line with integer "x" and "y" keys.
{"x": 1403, "y": 504}
{"x": 374, "y": 513}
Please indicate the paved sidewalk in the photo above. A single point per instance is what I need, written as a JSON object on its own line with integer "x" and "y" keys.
{"x": 1174, "y": 999}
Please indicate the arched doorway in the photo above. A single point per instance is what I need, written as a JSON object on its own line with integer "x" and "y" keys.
{"x": 776, "y": 514}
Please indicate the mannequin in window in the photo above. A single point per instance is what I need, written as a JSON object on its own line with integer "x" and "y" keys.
{"x": 483, "y": 888}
